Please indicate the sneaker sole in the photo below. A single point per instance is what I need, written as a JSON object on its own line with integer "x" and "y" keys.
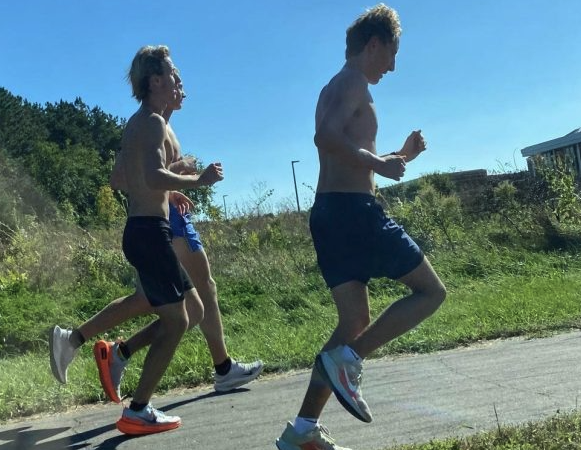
{"x": 135, "y": 428}
{"x": 239, "y": 383}
{"x": 102, "y": 351}
{"x": 345, "y": 403}
{"x": 53, "y": 364}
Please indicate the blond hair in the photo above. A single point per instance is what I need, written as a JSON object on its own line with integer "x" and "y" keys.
{"x": 148, "y": 61}
{"x": 381, "y": 21}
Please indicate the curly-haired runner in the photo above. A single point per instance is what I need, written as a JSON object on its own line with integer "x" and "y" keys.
{"x": 353, "y": 238}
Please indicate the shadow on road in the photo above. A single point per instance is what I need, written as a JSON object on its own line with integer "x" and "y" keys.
{"x": 26, "y": 439}
{"x": 202, "y": 397}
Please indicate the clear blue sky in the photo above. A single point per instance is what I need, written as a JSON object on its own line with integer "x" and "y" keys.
{"x": 482, "y": 79}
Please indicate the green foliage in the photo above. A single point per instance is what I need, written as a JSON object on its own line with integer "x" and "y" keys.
{"x": 67, "y": 149}
{"x": 432, "y": 217}
{"x": 508, "y": 208}
{"x": 563, "y": 201}
{"x": 561, "y": 432}
{"x": 109, "y": 211}
{"x": 501, "y": 281}
{"x": 97, "y": 266}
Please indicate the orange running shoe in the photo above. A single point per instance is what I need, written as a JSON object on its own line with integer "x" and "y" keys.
{"x": 111, "y": 368}
{"x": 147, "y": 421}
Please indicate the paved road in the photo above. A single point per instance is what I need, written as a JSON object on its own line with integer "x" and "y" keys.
{"x": 413, "y": 399}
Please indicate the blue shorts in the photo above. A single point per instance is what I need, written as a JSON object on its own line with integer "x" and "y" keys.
{"x": 356, "y": 241}
{"x": 182, "y": 226}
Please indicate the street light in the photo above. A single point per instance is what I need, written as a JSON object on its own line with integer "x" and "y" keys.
{"x": 295, "y": 180}
{"x": 224, "y": 200}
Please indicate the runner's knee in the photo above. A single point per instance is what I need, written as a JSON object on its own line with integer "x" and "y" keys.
{"x": 437, "y": 293}
{"x": 176, "y": 324}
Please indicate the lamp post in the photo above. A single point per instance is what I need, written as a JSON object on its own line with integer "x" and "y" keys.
{"x": 295, "y": 180}
{"x": 224, "y": 200}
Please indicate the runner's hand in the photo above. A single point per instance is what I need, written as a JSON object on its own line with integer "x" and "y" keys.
{"x": 413, "y": 146}
{"x": 393, "y": 167}
{"x": 211, "y": 174}
{"x": 182, "y": 202}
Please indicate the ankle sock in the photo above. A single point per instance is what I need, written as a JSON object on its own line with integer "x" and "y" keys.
{"x": 224, "y": 367}
{"x": 76, "y": 338}
{"x": 136, "y": 406}
{"x": 349, "y": 354}
{"x": 303, "y": 425}
{"x": 124, "y": 350}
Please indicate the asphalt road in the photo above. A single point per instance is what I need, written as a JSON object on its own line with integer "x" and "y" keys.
{"x": 413, "y": 399}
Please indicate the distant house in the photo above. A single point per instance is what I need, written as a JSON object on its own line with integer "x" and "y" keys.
{"x": 567, "y": 148}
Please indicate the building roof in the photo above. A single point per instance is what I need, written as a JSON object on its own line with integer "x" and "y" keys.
{"x": 572, "y": 138}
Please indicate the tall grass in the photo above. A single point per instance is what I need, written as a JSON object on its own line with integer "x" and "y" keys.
{"x": 502, "y": 281}
{"x": 561, "y": 432}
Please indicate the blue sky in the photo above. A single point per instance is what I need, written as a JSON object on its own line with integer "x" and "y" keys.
{"x": 482, "y": 79}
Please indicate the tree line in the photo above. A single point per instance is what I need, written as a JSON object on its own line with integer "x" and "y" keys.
{"x": 67, "y": 150}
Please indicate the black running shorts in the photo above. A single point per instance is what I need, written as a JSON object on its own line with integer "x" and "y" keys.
{"x": 147, "y": 246}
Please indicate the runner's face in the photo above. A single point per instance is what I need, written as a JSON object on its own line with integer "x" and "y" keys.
{"x": 171, "y": 83}
{"x": 383, "y": 58}
{"x": 178, "y": 100}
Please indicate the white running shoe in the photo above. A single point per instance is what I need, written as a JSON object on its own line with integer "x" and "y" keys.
{"x": 62, "y": 352}
{"x": 239, "y": 375}
{"x": 316, "y": 439}
{"x": 344, "y": 378}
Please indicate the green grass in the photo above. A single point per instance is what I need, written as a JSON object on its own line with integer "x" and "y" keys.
{"x": 290, "y": 339}
{"x": 562, "y": 432}
{"x": 274, "y": 304}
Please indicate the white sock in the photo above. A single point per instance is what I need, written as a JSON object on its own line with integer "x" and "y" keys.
{"x": 303, "y": 425}
{"x": 349, "y": 354}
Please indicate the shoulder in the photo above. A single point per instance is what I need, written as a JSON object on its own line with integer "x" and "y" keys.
{"x": 155, "y": 121}
{"x": 153, "y": 127}
{"x": 140, "y": 123}
{"x": 350, "y": 81}
{"x": 349, "y": 85}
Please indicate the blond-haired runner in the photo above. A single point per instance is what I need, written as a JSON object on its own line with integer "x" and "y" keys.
{"x": 353, "y": 238}
{"x": 147, "y": 156}
{"x": 112, "y": 357}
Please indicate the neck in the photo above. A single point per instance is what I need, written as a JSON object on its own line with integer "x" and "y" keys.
{"x": 355, "y": 63}
{"x": 154, "y": 105}
{"x": 167, "y": 114}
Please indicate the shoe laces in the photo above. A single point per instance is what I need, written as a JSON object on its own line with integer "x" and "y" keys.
{"x": 243, "y": 367}
{"x": 355, "y": 373}
{"x": 325, "y": 434}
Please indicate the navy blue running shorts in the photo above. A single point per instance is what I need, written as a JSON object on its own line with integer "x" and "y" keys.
{"x": 356, "y": 241}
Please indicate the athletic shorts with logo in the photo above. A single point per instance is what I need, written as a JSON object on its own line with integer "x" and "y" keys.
{"x": 356, "y": 241}
{"x": 147, "y": 246}
{"x": 182, "y": 226}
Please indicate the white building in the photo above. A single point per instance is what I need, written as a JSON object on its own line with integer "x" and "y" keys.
{"x": 566, "y": 148}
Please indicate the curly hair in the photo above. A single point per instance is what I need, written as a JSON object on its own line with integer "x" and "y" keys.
{"x": 148, "y": 61}
{"x": 381, "y": 21}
